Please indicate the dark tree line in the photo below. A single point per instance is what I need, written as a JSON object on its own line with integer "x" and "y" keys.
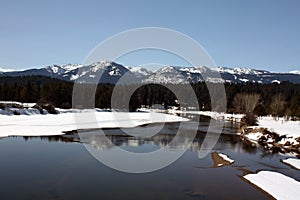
{"x": 276, "y": 99}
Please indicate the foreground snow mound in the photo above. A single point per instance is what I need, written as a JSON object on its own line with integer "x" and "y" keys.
{"x": 42, "y": 125}
{"x": 277, "y": 185}
{"x": 293, "y": 162}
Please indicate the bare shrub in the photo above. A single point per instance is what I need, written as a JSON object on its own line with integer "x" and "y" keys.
{"x": 245, "y": 103}
{"x": 277, "y": 105}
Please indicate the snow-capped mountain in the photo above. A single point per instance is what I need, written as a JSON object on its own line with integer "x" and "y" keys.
{"x": 111, "y": 72}
{"x": 5, "y": 70}
{"x": 295, "y": 72}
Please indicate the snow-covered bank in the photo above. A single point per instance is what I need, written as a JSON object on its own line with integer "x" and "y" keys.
{"x": 292, "y": 162}
{"x": 19, "y": 108}
{"x": 40, "y": 125}
{"x": 281, "y": 126}
{"x": 277, "y": 185}
{"x": 28, "y": 105}
{"x": 21, "y": 111}
{"x": 212, "y": 114}
{"x": 271, "y": 133}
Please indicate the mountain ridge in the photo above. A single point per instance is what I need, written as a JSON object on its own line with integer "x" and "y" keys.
{"x": 112, "y": 72}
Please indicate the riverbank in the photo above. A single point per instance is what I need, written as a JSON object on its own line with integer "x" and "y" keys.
{"x": 277, "y": 135}
{"x": 32, "y": 123}
{"x": 274, "y": 134}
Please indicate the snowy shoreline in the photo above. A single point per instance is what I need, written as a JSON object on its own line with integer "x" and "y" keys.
{"x": 286, "y": 133}
{"x": 34, "y": 124}
{"x": 269, "y": 133}
{"x": 279, "y": 135}
{"x": 212, "y": 114}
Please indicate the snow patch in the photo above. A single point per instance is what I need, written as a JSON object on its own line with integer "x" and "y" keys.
{"x": 114, "y": 72}
{"x": 74, "y": 77}
{"x": 193, "y": 70}
{"x": 215, "y": 80}
{"x": 239, "y": 70}
{"x": 220, "y": 159}
{"x": 71, "y": 67}
{"x": 244, "y": 80}
{"x": 254, "y": 137}
{"x": 212, "y": 114}
{"x": 276, "y": 184}
{"x": 281, "y": 126}
{"x": 276, "y": 81}
{"x": 140, "y": 70}
{"x": 225, "y": 157}
{"x": 293, "y": 162}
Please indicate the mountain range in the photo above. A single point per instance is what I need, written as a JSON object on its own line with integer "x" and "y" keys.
{"x": 112, "y": 72}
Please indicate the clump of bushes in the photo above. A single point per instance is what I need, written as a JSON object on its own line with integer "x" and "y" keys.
{"x": 249, "y": 120}
{"x": 45, "y": 106}
{"x": 15, "y": 112}
{"x": 2, "y": 106}
{"x": 10, "y": 105}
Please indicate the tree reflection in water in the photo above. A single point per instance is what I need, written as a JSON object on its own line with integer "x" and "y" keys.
{"x": 228, "y": 139}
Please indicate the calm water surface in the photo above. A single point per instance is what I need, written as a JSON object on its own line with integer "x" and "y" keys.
{"x": 61, "y": 168}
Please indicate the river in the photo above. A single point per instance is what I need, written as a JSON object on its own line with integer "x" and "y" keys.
{"x": 60, "y": 167}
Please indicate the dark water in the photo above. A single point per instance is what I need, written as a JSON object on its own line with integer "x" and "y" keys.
{"x": 61, "y": 168}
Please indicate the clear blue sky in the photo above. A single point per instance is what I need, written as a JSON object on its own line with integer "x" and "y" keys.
{"x": 243, "y": 33}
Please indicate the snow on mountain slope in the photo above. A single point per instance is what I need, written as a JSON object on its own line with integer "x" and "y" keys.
{"x": 171, "y": 74}
{"x": 55, "y": 69}
{"x": 140, "y": 71}
{"x": 70, "y": 67}
{"x": 111, "y": 72}
{"x": 240, "y": 71}
{"x": 5, "y": 70}
{"x": 194, "y": 70}
{"x": 295, "y": 72}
